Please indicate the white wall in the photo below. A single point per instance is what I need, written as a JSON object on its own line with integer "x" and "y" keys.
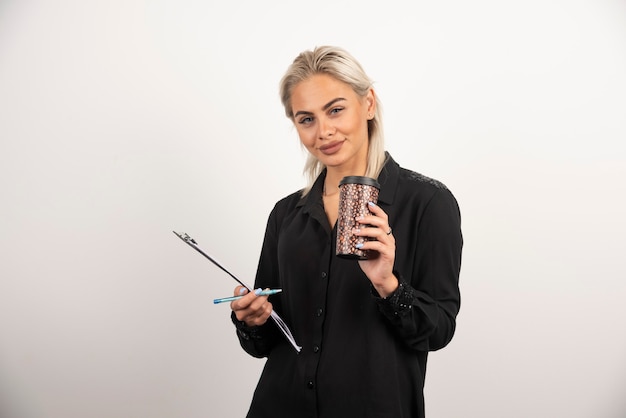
{"x": 122, "y": 120}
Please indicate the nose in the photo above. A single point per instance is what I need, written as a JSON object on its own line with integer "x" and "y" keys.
{"x": 325, "y": 128}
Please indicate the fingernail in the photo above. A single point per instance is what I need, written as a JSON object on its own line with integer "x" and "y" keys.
{"x": 258, "y": 291}
{"x": 243, "y": 291}
{"x": 357, "y": 230}
{"x": 359, "y": 246}
{"x": 371, "y": 203}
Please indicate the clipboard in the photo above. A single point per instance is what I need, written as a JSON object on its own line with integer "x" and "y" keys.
{"x": 277, "y": 319}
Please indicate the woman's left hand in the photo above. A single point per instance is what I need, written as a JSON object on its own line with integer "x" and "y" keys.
{"x": 379, "y": 267}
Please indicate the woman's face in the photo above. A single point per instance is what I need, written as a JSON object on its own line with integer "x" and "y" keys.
{"x": 331, "y": 120}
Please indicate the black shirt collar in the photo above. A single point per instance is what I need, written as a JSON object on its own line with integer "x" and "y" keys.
{"x": 388, "y": 180}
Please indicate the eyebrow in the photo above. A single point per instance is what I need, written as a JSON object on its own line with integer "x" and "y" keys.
{"x": 326, "y": 106}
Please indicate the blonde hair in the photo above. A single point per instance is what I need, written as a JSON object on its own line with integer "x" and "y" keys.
{"x": 342, "y": 66}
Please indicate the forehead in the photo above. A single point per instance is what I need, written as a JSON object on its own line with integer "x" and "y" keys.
{"x": 318, "y": 90}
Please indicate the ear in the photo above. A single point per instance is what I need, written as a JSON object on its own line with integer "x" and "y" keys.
{"x": 370, "y": 101}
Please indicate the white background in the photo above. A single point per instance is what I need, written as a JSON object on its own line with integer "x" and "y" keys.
{"x": 123, "y": 120}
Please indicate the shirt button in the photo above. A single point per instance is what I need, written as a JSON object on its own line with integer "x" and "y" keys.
{"x": 310, "y": 384}
{"x": 316, "y": 348}
{"x": 324, "y": 275}
{"x": 319, "y": 312}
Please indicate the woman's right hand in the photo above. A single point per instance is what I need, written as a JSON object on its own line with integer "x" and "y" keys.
{"x": 252, "y": 309}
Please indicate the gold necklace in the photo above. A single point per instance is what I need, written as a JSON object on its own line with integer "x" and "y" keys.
{"x": 328, "y": 195}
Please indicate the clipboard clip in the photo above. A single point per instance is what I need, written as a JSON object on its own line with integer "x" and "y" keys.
{"x": 193, "y": 244}
{"x": 185, "y": 237}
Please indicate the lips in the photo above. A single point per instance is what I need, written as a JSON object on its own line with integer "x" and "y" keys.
{"x": 333, "y": 147}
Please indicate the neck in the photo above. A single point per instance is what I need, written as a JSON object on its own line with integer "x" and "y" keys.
{"x": 329, "y": 189}
{"x": 334, "y": 176}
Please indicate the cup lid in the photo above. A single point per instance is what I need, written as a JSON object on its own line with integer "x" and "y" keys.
{"x": 368, "y": 181}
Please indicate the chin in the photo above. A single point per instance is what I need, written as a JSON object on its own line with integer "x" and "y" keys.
{"x": 332, "y": 160}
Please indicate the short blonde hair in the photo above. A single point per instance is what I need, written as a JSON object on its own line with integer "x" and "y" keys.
{"x": 342, "y": 66}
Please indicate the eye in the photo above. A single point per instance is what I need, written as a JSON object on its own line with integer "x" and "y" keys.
{"x": 335, "y": 110}
{"x": 305, "y": 120}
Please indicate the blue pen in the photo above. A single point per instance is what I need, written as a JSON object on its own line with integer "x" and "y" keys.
{"x": 260, "y": 293}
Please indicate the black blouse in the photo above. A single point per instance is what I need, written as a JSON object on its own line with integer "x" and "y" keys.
{"x": 362, "y": 356}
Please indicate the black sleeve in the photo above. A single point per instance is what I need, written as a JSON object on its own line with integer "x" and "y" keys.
{"x": 256, "y": 341}
{"x": 423, "y": 309}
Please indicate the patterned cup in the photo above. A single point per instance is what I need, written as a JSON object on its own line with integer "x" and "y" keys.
{"x": 354, "y": 194}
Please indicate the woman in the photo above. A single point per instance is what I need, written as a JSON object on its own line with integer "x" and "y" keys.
{"x": 365, "y": 326}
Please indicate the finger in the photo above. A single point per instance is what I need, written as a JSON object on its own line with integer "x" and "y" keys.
{"x": 250, "y": 301}
{"x": 263, "y": 313}
{"x": 379, "y": 233}
{"x": 240, "y": 291}
{"x": 376, "y": 210}
{"x": 371, "y": 221}
{"x": 384, "y": 249}
{"x": 255, "y": 314}
{"x": 377, "y": 218}
{"x": 244, "y": 302}
{"x": 258, "y": 301}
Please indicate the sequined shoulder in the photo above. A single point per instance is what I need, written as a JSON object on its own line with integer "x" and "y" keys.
{"x": 417, "y": 177}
